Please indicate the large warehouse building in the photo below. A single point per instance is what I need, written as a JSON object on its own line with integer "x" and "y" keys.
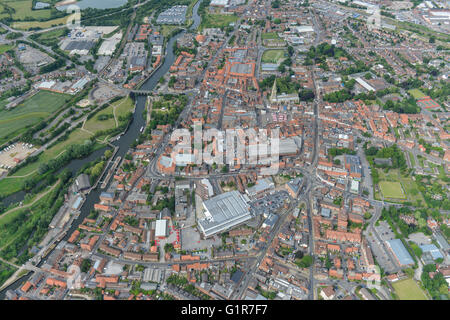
{"x": 400, "y": 253}
{"x": 223, "y": 212}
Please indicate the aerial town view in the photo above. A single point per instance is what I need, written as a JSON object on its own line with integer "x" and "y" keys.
{"x": 224, "y": 150}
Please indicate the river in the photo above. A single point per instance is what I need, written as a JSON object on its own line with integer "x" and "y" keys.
{"x": 125, "y": 140}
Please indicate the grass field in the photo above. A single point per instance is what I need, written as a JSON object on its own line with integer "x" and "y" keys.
{"x": 410, "y": 187}
{"x": 23, "y": 9}
{"x": 409, "y": 290}
{"x": 273, "y": 56}
{"x": 33, "y": 110}
{"x": 51, "y": 37}
{"x": 217, "y": 20}
{"x": 94, "y": 124}
{"x": 411, "y": 157}
{"x": 269, "y": 35}
{"x": 166, "y": 30}
{"x": 392, "y": 190}
{"x": 121, "y": 108}
{"x": 416, "y": 93}
{"x": 26, "y": 25}
{"x": 5, "y": 47}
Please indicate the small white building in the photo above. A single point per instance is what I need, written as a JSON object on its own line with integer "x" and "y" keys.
{"x": 161, "y": 229}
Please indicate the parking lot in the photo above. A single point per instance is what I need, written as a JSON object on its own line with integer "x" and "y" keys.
{"x": 190, "y": 240}
{"x": 385, "y": 231}
{"x": 32, "y": 58}
{"x": 13, "y": 154}
{"x": 270, "y": 203}
{"x": 419, "y": 238}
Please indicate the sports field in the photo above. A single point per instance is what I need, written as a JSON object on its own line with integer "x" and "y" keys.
{"x": 272, "y": 56}
{"x": 33, "y": 110}
{"x": 392, "y": 190}
{"x": 409, "y": 290}
{"x": 416, "y": 93}
{"x": 269, "y": 35}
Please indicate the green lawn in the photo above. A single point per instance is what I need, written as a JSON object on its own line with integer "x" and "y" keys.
{"x": 409, "y": 290}
{"x": 273, "y": 56}
{"x": 392, "y": 190}
{"x": 416, "y": 93}
{"x": 33, "y": 110}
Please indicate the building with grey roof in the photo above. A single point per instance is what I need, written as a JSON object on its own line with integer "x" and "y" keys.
{"x": 82, "y": 183}
{"x": 261, "y": 186}
{"x": 401, "y": 254}
{"x": 270, "y": 221}
{"x": 224, "y": 212}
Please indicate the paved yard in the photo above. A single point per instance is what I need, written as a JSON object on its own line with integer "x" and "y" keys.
{"x": 190, "y": 240}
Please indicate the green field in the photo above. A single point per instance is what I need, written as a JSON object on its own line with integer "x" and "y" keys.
{"x": 5, "y": 47}
{"x": 114, "y": 111}
{"x": 15, "y": 182}
{"x": 26, "y": 25}
{"x": 22, "y": 10}
{"x": 408, "y": 290}
{"x": 50, "y": 38}
{"x": 269, "y": 35}
{"x": 273, "y": 56}
{"x": 392, "y": 190}
{"x": 416, "y": 93}
{"x": 390, "y": 187}
{"x": 24, "y": 17}
{"x": 217, "y": 20}
{"x": 33, "y": 110}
